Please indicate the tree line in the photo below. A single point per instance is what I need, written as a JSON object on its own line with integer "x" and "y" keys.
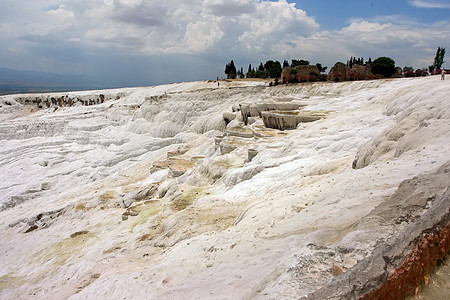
{"x": 270, "y": 69}
{"x": 357, "y": 61}
{"x": 383, "y": 66}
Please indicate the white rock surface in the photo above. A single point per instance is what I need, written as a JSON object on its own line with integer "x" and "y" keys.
{"x": 271, "y": 228}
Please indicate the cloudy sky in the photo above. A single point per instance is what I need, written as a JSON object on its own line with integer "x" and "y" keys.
{"x": 144, "y": 42}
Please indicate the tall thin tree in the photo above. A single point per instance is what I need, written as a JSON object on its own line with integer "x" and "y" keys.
{"x": 439, "y": 58}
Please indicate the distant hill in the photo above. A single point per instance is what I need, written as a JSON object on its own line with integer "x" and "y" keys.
{"x": 14, "y": 81}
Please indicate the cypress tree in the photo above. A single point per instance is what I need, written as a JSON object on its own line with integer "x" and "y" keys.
{"x": 261, "y": 67}
{"x": 439, "y": 58}
{"x": 230, "y": 70}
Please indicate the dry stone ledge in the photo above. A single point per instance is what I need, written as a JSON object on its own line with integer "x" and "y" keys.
{"x": 398, "y": 266}
{"x": 60, "y": 100}
{"x": 176, "y": 165}
{"x": 179, "y": 166}
{"x": 288, "y": 119}
{"x": 251, "y": 154}
{"x": 239, "y": 132}
{"x": 254, "y": 110}
{"x": 227, "y": 147}
{"x": 228, "y": 117}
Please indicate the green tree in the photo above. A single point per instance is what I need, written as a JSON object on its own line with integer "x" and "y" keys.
{"x": 384, "y": 66}
{"x": 273, "y": 68}
{"x": 300, "y": 62}
{"x": 321, "y": 69}
{"x": 439, "y": 58}
{"x": 408, "y": 69}
{"x": 239, "y": 74}
{"x": 431, "y": 68}
{"x": 230, "y": 70}
{"x": 285, "y": 64}
{"x": 261, "y": 67}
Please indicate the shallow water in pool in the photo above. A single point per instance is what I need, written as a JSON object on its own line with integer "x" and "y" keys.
{"x": 439, "y": 284}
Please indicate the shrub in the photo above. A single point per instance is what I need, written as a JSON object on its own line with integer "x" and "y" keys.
{"x": 322, "y": 77}
{"x": 383, "y": 66}
{"x": 352, "y": 76}
{"x": 337, "y": 77}
{"x": 406, "y": 69}
{"x": 312, "y": 78}
{"x": 410, "y": 73}
{"x": 303, "y": 78}
{"x": 290, "y": 79}
{"x": 420, "y": 72}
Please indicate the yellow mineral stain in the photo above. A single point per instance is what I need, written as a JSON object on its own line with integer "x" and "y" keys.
{"x": 109, "y": 195}
{"x": 185, "y": 199}
{"x": 145, "y": 212}
{"x": 8, "y": 281}
{"x": 59, "y": 253}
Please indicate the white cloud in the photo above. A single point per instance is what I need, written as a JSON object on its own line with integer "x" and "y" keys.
{"x": 397, "y": 19}
{"x": 274, "y": 23}
{"x": 51, "y": 26}
{"x": 229, "y": 7}
{"x": 198, "y": 27}
{"x": 200, "y": 36}
{"x": 430, "y": 3}
{"x": 248, "y": 31}
{"x": 406, "y": 45}
{"x": 61, "y": 12}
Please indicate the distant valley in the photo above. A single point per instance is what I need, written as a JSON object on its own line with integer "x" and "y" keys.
{"x": 14, "y": 82}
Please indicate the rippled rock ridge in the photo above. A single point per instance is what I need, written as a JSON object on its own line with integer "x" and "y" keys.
{"x": 236, "y": 191}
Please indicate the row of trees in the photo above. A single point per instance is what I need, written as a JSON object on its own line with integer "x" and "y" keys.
{"x": 271, "y": 69}
{"x": 382, "y": 66}
{"x": 435, "y": 68}
{"x": 357, "y": 61}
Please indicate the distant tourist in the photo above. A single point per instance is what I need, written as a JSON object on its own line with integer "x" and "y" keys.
{"x": 443, "y": 74}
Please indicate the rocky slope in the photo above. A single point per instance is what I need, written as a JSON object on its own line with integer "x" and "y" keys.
{"x": 150, "y": 193}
